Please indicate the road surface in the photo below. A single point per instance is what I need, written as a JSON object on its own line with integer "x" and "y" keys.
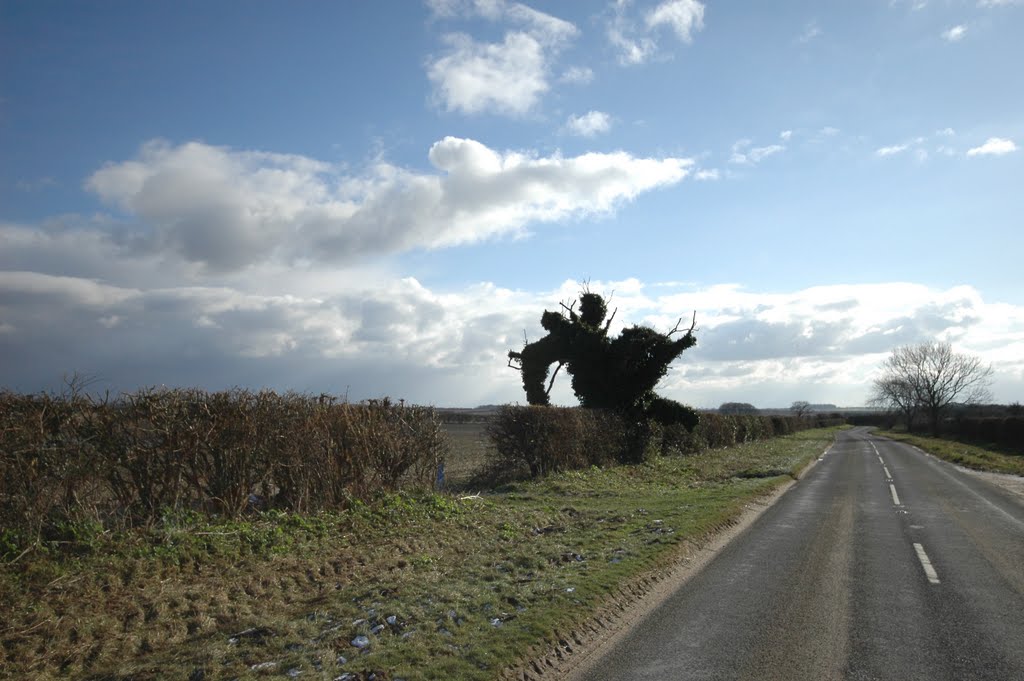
{"x": 881, "y": 563}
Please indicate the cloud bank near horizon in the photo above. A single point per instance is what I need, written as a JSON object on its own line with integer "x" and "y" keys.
{"x": 396, "y": 337}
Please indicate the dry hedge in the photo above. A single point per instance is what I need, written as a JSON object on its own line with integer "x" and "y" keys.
{"x": 543, "y": 440}
{"x": 130, "y": 459}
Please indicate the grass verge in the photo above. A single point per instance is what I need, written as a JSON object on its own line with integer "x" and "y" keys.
{"x": 969, "y": 456}
{"x": 406, "y": 587}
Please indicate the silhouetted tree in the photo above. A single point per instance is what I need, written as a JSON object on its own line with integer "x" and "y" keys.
{"x": 607, "y": 373}
{"x": 737, "y": 408}
{"x": 800, "y": 408}
{"x": 929, "y": 377}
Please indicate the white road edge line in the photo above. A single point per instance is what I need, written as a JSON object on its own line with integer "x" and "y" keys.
{"x": 929, "y": 570}
{"x": 895, "y": 497}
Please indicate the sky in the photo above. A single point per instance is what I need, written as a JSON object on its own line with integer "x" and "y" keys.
{"x": 381, "y": 198}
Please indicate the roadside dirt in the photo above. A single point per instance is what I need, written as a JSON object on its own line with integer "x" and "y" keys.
{"x": 579, "y": 650}
{"x": 1014, "y": 484}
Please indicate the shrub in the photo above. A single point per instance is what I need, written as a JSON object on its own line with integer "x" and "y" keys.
{"x": 541, "y": 440}
{"x": 66, "y": 458}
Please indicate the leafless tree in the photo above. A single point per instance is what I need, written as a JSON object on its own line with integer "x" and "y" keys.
{"x": 800, "y": 408}
{"x": 891, "y": 392}
{"x": 929, "y": 377}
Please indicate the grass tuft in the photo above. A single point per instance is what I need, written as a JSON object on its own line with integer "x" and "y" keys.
{"x": 966, "y": 455}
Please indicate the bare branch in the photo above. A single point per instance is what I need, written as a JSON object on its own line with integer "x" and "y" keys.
{"x": 676, "y": 329}
{"x": 607, "y": 325}
{"x": 551, "y": 383}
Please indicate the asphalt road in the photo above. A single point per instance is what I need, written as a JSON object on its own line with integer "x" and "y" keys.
{"x": 881, "y": 563}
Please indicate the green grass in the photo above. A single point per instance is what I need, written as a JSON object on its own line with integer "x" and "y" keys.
{"x": 473, "y": 584}
{"x": 969, "y": 456}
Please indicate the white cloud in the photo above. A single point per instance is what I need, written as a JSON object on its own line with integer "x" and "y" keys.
{"x": 999, "y": 3}
{"x": 589, "y": 124}
{"x": 547, "y": 27}
{"x": 945, "y": 132}
{"x": 507, "y": 77}
{"x": 621, "y": 33}
{"x": 706, "y": 174}
{"x": 393, "y": 335}
{"x": 892, "y": 150}
{"x": 993, "y": 146}
{"x": 636, "y": 45}
{"x": 226, "y": 210}
{"x": 810, "y": 32}
{"x": 745, "y": 154}
{"x": 577, "y": 74}
{"x": 682, "y": 16}
{"x": 785, "y": 135}
{"x": 955, "y": 34}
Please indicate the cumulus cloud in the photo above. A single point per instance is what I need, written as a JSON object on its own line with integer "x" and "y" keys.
{"x": 225, "y": 209}
{"x": 891, "y": 150}
{"x": 993, "y": 146}
{"x": 507, "y": 77}
{"x": 589, "y": 124}
{"x": 955, "y": 34}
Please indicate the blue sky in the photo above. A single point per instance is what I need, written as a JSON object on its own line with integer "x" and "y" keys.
{"x": 381, "y": 198}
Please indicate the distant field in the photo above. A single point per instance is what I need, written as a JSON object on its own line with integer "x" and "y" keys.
{"x": 470, "y": 451}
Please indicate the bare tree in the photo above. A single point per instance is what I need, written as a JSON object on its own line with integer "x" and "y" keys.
{"x": 890, "y": 392}
{"x": 930, "y": 377}
{"x": 800, "y": 408}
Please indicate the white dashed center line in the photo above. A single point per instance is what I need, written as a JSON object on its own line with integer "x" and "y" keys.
{"x": 895, "y": 497}
{"x": 887, "y": 473}
{"x": 929, "y": 570}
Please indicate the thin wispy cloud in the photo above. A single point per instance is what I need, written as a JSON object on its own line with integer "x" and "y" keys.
{"x": 589, "y": 124}
{"x": 955, "y": 34}
{"x": 635, "y": 42}
{"x": 577, "y": 74}
{"x": 891, "y": 150}
{"x": 993, "y": 146}
{"x": 810, "y": 32}
{"x": 744, "y": 153}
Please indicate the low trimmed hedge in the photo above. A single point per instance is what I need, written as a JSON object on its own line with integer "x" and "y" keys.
{"x": 130, "y": 459}
{"x": 541, "y": 440}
